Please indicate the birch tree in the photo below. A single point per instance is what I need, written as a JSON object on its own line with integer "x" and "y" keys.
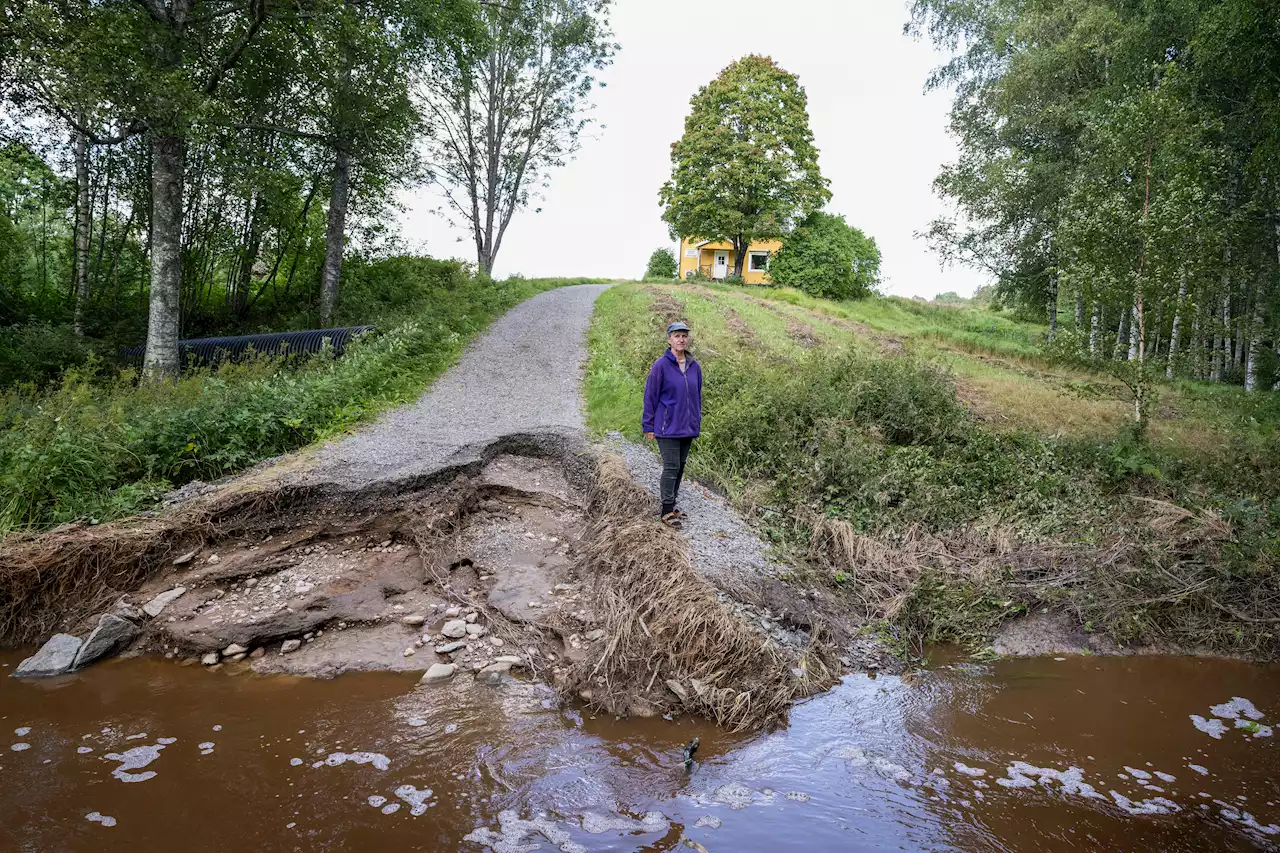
{"x": 504, "y": 113}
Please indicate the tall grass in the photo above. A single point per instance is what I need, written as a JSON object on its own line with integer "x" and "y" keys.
{"x": 91, "y": 448}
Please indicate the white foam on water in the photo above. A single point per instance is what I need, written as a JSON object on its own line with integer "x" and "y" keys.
{"x": 1213, "y": 728}
{"x": 1070, "y": 781}
{"x": 1155, "y": 805}
{"x": 391, "y": 808}
{"x": 1255, "y": 729}
{"x": 650, "y": 822}
{"x": 318, "y": 764}
{"x": 417, "y": 722}
{"x": 135, "y": 759}
{"x": 1249, "y": 821}
{"x": 138, "y": 736}
{"x": 1155, "y": 788}
{"x": 166, "y": 740}
{"x": 416, "y": 799}
{"x": 217, "y": 728}
{"x": 1166, "y": 777}
{"x": 83, "y": 750}
{"x": 709, "y": 822}
{"x": 735, "y": 795}
{"x": 1199, "y": 768}
{"x": 294, "y": 762}
{"x": 450, "y": 728}
{"x": 513, "y": 830}
{"x": 1233, "y": 709}
{"x": 1137, "y": 773}
{"x": 797, "y": 796}
{"x": 206, "y": 747}
{"x": 961, "y": 767}
{"x": 22, "y": 731}
{"x": 377, "y": 759}
{"x": 855, "y": 755}
{"x": 20, "y": 747}
{"x": 105, "y": 820}
{"x": 377, "y": 801}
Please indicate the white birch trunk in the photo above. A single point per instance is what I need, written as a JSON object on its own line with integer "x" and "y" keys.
{"x": 1172, "y": 357}
{"x": 167, "y": 164}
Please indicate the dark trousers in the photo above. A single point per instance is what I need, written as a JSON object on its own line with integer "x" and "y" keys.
{"x": 674, "y": 453}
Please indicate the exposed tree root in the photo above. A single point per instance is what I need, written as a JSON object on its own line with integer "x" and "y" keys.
{"x": 57, "y": 578}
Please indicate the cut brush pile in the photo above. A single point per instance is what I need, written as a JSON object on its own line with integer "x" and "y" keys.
{"x": 671, "y": 644}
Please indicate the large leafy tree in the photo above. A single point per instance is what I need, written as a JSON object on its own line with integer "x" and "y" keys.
{"x": 746, "y": 168}
{"x": 825, "y": 256}
{"x": 503, "y": 111}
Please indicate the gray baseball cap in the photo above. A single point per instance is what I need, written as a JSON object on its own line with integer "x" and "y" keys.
{"x": 677, "y": 326}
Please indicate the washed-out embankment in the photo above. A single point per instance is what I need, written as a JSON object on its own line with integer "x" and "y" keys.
{"x": 538, "y": 553}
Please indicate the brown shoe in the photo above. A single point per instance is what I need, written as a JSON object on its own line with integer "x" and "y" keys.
{"x": 672, "y": 520}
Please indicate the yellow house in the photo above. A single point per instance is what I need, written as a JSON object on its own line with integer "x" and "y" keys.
{"x": 715, "y": 259}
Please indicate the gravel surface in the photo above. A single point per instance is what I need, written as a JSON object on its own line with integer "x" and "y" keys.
{"x": 725, "y": 549}
{"x": 522, "y": 376}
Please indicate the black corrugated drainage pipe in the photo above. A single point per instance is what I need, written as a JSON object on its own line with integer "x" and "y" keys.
{"x": 199, "y": 352}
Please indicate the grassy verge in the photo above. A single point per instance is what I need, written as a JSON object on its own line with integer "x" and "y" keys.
{"x": 866, "y": 464}
{"x": 89, "y": 447}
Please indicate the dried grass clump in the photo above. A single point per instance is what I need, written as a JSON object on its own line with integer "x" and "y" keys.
{"x": 671, "y": 642}
{"x": 882, "y": 573}
{"x": 58, "y": 578}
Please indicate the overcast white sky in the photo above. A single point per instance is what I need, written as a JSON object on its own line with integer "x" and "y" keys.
{"x": 880, "y": 138}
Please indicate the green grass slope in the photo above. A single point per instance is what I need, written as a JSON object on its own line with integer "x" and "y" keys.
{"x": 930, "y": 465}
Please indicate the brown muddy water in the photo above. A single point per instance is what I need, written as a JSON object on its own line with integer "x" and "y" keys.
{"x": 1041, "y": 754}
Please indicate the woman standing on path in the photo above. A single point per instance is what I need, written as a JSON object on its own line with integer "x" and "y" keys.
{"x": 673, "y": 414}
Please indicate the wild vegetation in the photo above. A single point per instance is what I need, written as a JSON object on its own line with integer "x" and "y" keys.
{"x": 934, "y": 467}
{"x": 662, "y": 265}
{"x": 96, "y": 444}
{"x": 825, "y": 256}
{"x": 1117, "y": 175}
{"x": 181, "y": 168}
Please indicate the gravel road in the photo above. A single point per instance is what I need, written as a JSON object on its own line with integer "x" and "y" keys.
{"x": 724, "y": 547}
{"x": 522, "y": 376}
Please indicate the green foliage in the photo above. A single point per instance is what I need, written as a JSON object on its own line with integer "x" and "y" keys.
{"x": 746, "y": 167}
{"x": 734, "y": 280}
{"x": 1120, "y": 160}
{"x": 881, "y": 442}
{"x": 825, "y": 256}
{"x": 662, "y": 265}
{"x": 95, "y": 449}
{"x": 37, "y": 353}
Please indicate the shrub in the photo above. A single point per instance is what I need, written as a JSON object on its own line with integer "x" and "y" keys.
{"x": 37, "y": 353}
{"x": 825, "y": 256}
{"x": 662, "y": 265}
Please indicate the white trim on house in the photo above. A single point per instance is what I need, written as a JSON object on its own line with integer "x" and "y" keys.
{"x": 751, "y": 256}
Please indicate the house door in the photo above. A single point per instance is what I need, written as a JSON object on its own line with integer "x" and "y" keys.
{"x": 721, "y": 269}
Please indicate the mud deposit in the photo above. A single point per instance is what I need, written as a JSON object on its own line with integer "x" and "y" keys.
{"x": 1042, "y": 754}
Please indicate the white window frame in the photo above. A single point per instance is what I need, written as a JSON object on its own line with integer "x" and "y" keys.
{"x": 751, "y": 267}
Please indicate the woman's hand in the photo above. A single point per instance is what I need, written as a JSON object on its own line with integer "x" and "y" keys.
{"x": 649, "y": 436}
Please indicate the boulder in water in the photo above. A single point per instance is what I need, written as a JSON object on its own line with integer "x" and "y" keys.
{"x": 111, "y": 634}
{"x": 55, "y": 657}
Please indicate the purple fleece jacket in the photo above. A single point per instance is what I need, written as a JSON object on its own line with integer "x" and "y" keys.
{"x": 673, "y": 400}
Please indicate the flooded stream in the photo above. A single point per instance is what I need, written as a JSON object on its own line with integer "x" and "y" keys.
{"x": 1043, "y": 754}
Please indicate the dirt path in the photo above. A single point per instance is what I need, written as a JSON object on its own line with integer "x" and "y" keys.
{"x": 522, "y": 377}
